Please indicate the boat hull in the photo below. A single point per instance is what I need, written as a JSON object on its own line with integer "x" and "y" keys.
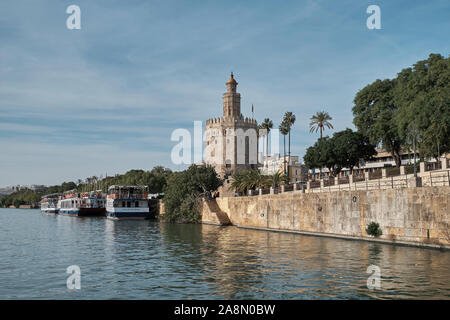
{"x": 83, "y": 212}
{"x": 139, "y": 214}
{"x": 50, "y": 211}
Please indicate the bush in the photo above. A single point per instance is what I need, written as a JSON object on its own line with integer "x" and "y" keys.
{"x": 373, "y": 229}
{"x": 183, "y": 192}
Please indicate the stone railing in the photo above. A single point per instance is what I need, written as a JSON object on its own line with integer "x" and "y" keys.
{"x": 386, "y": 178}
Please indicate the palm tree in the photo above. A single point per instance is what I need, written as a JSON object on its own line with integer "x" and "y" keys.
{"x": 262, "y": 133}
{"x": 278, "y": 178}
{"x": 289, "y": 119}
{"x": 284, "y": 130}
{"x": 247, "y": 180}
{"x": 267, "y": 124}
{"x": 319, "y": 121}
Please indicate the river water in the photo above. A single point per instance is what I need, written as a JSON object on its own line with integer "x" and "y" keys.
{"x": 151, "y": 260}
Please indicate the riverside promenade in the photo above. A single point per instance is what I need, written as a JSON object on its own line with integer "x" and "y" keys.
{"x": 429, "y": 174}
{"x": 409, "y": 210}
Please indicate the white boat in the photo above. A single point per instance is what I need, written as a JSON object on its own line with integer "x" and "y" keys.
{"x": 127, "y": 203}
{"x": 85, "y": 204}
{"x": 49, "y": 203}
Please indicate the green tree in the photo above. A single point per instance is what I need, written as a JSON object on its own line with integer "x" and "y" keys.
{"x": 343, "y": 150}
{"x": 267, "y": 125}
{"x": 349, "y": 147}
{"x": 253, "y": 179}
{"x": 284, "y": 130}
{"x": 184, "y": 190}
{"x": 319, "y": 121}
{"x": 289, "y": 120}
{"x": 374, "y": 116}
{"x": 321, "y": 155}
{"x": 422, "y": 94}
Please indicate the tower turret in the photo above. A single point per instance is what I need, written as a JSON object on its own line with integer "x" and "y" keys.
{"x": 231, "y": 100}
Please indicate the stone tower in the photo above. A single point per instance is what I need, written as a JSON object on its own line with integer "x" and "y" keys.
{"x": 231, "y": 140}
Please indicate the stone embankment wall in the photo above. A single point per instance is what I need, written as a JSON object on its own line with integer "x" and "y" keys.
{"x": 419, "y": 216}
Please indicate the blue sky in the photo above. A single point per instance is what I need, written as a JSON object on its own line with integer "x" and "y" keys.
{"x": 106, "y": 98}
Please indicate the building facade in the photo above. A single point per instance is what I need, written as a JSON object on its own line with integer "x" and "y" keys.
{"x": 296, "y": 171}
{"x": 231, "y": 140}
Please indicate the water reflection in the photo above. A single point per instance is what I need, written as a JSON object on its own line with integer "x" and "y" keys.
{"x": 150, "y": 260}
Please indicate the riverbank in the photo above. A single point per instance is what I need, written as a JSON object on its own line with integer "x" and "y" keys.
{"x": 408, "y": 216}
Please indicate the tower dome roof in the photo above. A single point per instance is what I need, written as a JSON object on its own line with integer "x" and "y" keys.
{"x": 231, "y": 80}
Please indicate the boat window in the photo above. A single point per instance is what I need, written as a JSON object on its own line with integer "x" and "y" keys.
{"x": 123, "y": 203}
{"x": 128, "y": 204}
{"x": 136, "y": 204}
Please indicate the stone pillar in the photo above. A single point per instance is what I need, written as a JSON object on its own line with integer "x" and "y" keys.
{"x": 336, "y": 180}
{"x": 308, "y": 185}
{"x": 260, "y": 191}
{"x": 272, "y": 191}
{"x": 414, "y": 182}
{"x": 402, "y": 170}
{"x": 422, "y": 167}
{"x": 322, "y": 184}
{"x": 383, "y": 172}
{"x": 303, "y": 188}
{"x": 295, "y": 186}
{"x": 444, "y": 165}
{"x": 282, "y": 188}
{"x": 250, "y": 193}
{"x": 366, "y": 175}
{"x": 350, "y": 179}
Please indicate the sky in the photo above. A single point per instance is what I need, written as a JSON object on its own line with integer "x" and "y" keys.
{"x": 106, "y": 98}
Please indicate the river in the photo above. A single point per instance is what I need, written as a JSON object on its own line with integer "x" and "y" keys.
{"x": 152, "y": 260}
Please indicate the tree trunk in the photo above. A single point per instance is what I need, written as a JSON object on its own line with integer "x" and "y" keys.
{"x": 284, "y": 158}
{"x": 267, "y": 147}
{"x": 397, "y": 158}
{"x": 289, "y": 147}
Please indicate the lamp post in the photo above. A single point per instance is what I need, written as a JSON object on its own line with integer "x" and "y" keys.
{"x": 413, "y": 134}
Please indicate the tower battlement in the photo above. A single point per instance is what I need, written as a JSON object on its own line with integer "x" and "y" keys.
{"x": 230, "y": 120}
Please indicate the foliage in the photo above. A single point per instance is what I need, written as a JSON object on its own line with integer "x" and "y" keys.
{"x": 422, "y": 94}
{"x": 319, "y": 121}
{"x": 374, "y": 116}
{"x": 154, "y": 179}
{"x": 386, "y": 110}
{"x": 289, "y": 120}
{"x": 373, "y": 229}
{"x": 184, "y": 190}
{"x": 23, "y": 196}
{"x": 284, "y": 130}
{"x": 265, "y": 127}
{"x": 343, "y": 150}
{"x": 253, "y": 179}
{"x": 349, "y": 147}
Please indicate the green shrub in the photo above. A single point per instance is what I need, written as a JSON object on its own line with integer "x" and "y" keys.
{"x": 374, "y": 229}
{"x": 183, "y": 193}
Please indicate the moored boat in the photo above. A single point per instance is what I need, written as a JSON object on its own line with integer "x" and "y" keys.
{"x": 127, "y": 203}
{"x": 49, "y": 204}
{"x": 85, "y": 204}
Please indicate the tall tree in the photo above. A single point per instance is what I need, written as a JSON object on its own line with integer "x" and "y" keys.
{"x": 422, "y": 94}
{"x": 374, "y": 116}
{"x": 289, "y": 119}
{"x": 349, "y": 148}
{"x": 343, "y": 150}
{"x": 267, "y": 124}
{"x": 284, "y": 130}
{"x": 319, "y": 121}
